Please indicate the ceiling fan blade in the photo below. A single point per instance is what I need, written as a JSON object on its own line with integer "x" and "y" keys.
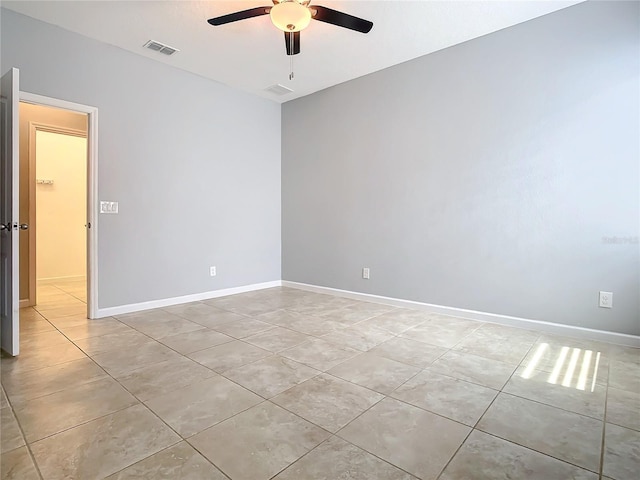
{"x": 243, "y": 15}
{"x": 296, "y": 42}
{"x": 340, "y": 19}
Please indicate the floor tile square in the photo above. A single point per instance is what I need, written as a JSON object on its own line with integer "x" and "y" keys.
{"x": 377, "y": 373}
{"x": 337, "y": 459}
{"x": 277, "y": 339}
{"x": 258, "y": 443}
{"x": 73, "y": 406}
{"x": 40, "y": 358}
{"x": 485, "y": 457}
{"x": 217, "y": 317}
{"x": 33, "y": 341}
{"x": 397, "y": 321}
{"x": 622, "y": 353}
{"x": 564, "y": 435}
{"x": 509, "y": 345}
{"x": 189, "y": 342}
{"x": 44, "y": 381}
{"x": 119, "y": 363}
{"x": 229, "y": 355}
{"x": 35, "y": 325}
{"x": 624, "y": 375}
{"x": 573, "y": 396}
{"x": 159, "y": 378}
{"x": 456, "y": 399}
{"x": 359, "y": 337}
{"x": 302, "y": 323}
{"x": 194, "y": 311}
{"x": 271, "y": 375}
{"x": 94, "y": 328}
{"x": 323, "y": 305}
{"x": 389, "y": 427}
{"x": 243, "y": 328}
{"x": 327, "y": 401}
{"x": 249, "y": 304}
{"x": 124, "y": 340}
{"x": 17, "y": 465}
{"x": 180, "y": 462}
{"x": 70, "y": 321}
{"x": 193, "y": 408}
{"x": 472, "y": 368}
{"x": 621, "y": 452}
{"x": 623, "y": 408}
{"x": 11, "y": 437}
{"x": 52, "y": 312}
{"x": 3, "y": 399}
{"x": 145, "y": 317}
{"x": 351, "y": 314}
{"x": 319, "y": 354}
{"x": 578, "y": 359}
{"x": 165, "y": 327}
{"x": 442, "y": 330}
{"x": 411, "y": 352}
{"x": 103, "y": 446}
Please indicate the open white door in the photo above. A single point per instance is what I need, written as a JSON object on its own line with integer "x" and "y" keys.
{"x": 9, "y": 210}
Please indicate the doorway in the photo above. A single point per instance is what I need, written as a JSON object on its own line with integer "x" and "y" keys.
{"x": 58, "y": 153}
{"x": 59, "y": 257}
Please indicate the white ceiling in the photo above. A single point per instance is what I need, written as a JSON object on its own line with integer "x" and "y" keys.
{"x": 250, "y": 54}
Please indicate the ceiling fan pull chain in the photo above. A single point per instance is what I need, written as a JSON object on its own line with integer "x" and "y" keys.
{"x": 291, "y": 56}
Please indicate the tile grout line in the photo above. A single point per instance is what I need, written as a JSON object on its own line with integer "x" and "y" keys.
{"x": 474, "y": 427}
{"x": 604, "y": 426}
{"x": 27, "y": 445}
{"x": 106, "y": 415}
{"x": 535, "y": 401}
{"x": 320, "y": 372}
{"x": 140, "y": 402}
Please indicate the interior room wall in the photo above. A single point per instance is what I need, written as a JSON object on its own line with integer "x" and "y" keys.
{"x": 194, "y": 165}
{"x": 61, "y": 240}
{"x": 46, "y": 116}
{"x": 500, "y": 175}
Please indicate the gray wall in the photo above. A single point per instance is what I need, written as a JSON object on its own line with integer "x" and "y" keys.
{"x": 483, "y": 177}
{"x": 195, "y": 165}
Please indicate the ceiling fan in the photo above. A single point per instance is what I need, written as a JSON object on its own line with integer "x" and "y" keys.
{"x": 292, "y": 16}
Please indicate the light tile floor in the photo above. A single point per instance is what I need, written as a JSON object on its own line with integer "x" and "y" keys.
{"x": 291, "y": 385}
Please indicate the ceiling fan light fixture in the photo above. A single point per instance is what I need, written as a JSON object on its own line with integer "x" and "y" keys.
{"x": 290, "y": 16}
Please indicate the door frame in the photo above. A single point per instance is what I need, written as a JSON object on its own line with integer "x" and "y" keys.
{"x": 35, "y": 127}
{"x": 92, "y": 188}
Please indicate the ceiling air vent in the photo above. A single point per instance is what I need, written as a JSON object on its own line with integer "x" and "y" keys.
{"x": 160, "y": 47}
{"x": 278, "y": 89}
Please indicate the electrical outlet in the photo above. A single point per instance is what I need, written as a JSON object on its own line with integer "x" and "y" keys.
{"x": 606, "y": 300}
{"x": 365, "y": 273}
{"x": 212, "y": 271}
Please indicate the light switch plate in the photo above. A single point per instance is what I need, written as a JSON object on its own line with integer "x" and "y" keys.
{"x": 108, "y": 207}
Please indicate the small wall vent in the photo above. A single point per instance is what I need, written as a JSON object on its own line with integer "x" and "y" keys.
{"x": 278, "y": 89}
{"x": 160, "y": 47}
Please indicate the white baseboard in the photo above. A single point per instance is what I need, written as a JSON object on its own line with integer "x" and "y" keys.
{"x": 548, "y": 327}
{"x": 72, "y": 278}
{"x": 166, "y": 302}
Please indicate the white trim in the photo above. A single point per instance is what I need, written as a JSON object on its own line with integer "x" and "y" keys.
{"x": 548, "y": 327}
{"x": 70, "y": 278}
{"x": 166, "y": 302}
{"x": 92, "y": 188}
